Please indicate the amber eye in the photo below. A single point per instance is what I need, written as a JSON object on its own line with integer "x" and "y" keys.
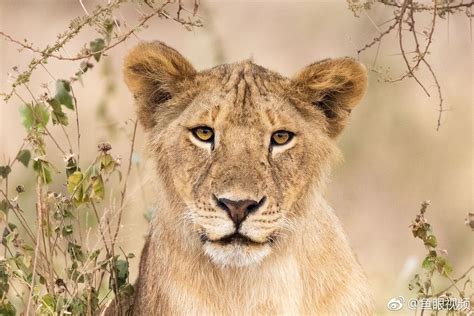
{"x": 281, "y": 138}
{"x": 203, "y": 133}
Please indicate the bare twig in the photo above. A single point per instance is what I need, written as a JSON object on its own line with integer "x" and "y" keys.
{"x": 380, "y": 37}
{"x": 124, "y": 190}
{"x": 39, "y": 212}
{"x": 454, "y": 281}
{"x": 400, "y": 42}
{"x": 421, "y": 7}
{"x": 78, "y": 129}
{"x": 405, "y": 22}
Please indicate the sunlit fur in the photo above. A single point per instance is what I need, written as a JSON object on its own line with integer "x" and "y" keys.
{"x": 299, "y": 261}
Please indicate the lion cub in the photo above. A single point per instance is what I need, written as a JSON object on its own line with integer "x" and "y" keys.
{"x": 242, "y": 156}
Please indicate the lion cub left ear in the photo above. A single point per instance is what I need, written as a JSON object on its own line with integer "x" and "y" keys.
{"x": 334, "y": 86}
{"x": 155, "y": 73}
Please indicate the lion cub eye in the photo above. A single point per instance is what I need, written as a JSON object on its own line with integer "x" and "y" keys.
{"x": 280, "y": 138}
{"x": 203, "y": 133}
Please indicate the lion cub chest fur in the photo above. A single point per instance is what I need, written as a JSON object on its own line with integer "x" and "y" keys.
{"x": 242, "y": 155}
{"x": 278, "y": 291}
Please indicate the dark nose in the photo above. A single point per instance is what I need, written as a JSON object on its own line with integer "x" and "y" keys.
{"x": 238, "y": 210}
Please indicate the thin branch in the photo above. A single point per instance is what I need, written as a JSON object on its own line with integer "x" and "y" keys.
{"x": 420, "y": 7}
{"x": 405, "y": 22}
{"x": 39, "y": 211}
{"x": 454, "y": 281}
{"x": 440, "y": 95}
{"x": 124, "y": 190}
{"x": 402, "y": 49}
{"x": 78, "y": 130}
{"x": 379, "y": 38}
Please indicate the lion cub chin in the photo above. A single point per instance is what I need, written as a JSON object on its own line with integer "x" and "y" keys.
{"x": 236, "y": 254}
{"x": 241, "y": 156}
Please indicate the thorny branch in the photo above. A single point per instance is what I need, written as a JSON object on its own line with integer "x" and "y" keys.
{"x": 448, "y": 7}
{"x": 404, "y": 22}
{"x": 85, "y": 54}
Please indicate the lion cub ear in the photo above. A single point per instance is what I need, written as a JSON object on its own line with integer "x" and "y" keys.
{"x": 335, "y": 86}
{"x": 155, "y": 73}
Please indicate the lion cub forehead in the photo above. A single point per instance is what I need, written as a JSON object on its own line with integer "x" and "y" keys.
{"x": 241, "y": 91}
{"x": 239, "y": 107}
{"x": 244, "y": 75}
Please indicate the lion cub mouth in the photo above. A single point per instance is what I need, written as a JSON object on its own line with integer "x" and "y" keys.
{"x": 235, "y": 238}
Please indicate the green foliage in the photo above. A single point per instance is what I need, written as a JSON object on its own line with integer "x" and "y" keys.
{"x": 121, "y": 268}
{"x": 24, "y": 156}
{"x": 5, "y": 171}
{"x": 43, "y": 169}
{"x": 7, "y": 309}
{"x": 97, "y": 46}
{"x": 62, "y": 98}
{"x": 34, "y": 116}
{"x": 433, "y": 264}
{"x": 48, "y": 263}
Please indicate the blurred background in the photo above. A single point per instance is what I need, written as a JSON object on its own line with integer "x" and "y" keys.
{"x": 394, "y": 158}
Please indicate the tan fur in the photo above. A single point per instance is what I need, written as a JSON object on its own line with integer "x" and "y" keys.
{"x": 301, "y": 262}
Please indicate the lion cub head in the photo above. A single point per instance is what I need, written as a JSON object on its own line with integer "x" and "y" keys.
{"x": 240, "y": 147}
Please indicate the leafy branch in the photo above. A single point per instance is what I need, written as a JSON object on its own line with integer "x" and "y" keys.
{"x": 46, "y": 264}
{"x": 436, "y": 264}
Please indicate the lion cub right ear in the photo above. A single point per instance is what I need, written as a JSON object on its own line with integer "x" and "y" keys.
{"x": 335, "y": 87}
{"x": 155, "y": 73}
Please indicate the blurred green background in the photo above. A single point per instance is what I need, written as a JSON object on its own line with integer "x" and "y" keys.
{"x": 394, "y": 157}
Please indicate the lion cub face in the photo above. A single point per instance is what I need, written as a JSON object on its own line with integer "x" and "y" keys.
{"x": 238, "y": 146}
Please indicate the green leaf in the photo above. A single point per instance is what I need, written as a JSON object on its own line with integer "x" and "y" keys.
{"x": 58, "y": 116}
{"x": 27, "y": 117}
{"x": 5, "y": 171}
{"x": 121, "y": 268}
{"x": 75, "y": 251}
{"x": 443, "y": 266}
{"x": 74, "y": 185}
{"x": 421, "y": 231}
{"x": 97, "y": 46}
{"x": 73, "y": 274}
{"x": 67, "y": 230}
{"x": 3, "y": 205}
{"x": 63, "y": 95}
{"x": 43, "y": 169}
{"x": 24, "y": 157}
{"x": 7, "y": 309}
{"x": 71, "y": 165}
{"x": 431, "y": 241}
{"x": 429, "y": 262}
{"x": 127, "y": 289}
{"x": 48, "y": 305}
{"x": 98, "y": 190}
{"x": 107, "y": 163}
{"x": 4, "y": 285}
{"x": 94, "y": 255}
{"x": 34, "y": 116}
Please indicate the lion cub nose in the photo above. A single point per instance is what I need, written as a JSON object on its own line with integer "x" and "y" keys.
{"x": 238, "y": 210}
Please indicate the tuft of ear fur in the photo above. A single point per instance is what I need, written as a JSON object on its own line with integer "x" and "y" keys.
{"x": 155, "y": 73}
{"x": 335, "y": 86}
